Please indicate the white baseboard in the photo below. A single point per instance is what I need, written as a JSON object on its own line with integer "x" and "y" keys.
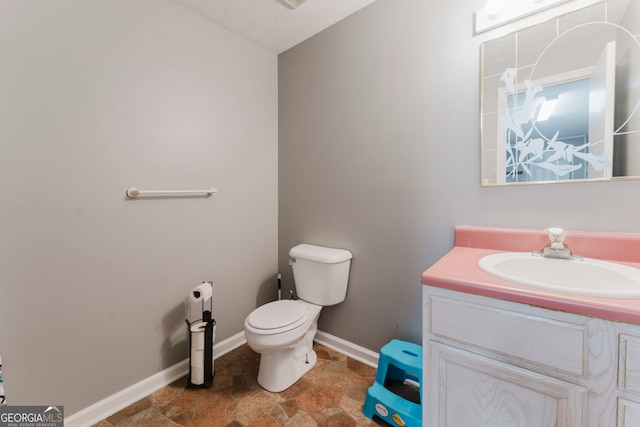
{"x": 347, "y": 348}
{"x": 120, "y": 400}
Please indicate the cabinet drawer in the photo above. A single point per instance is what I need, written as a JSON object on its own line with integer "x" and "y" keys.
{"x": 629, "y": 363}
{"x": 552, "y": 344}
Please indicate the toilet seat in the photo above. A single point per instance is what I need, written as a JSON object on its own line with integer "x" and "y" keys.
{"x": 278, "y": 316}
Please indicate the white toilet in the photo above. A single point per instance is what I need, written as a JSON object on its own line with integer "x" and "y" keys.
{"x": 283, "y": 331}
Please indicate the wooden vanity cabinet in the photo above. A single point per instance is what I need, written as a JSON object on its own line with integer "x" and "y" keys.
{"x": 495, "y": 363}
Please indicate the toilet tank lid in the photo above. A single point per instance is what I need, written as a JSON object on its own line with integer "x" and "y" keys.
{"x": 320, "y": 253}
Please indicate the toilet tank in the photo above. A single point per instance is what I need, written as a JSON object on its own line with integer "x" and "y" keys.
{"x": 320, "y": 273}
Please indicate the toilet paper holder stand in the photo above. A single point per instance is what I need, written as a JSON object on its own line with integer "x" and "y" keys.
{"x": 208, "y": 346}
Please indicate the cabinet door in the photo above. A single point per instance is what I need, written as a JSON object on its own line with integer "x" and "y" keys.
{"x": 469, "y": 390}
{"x": 628, "y": 413}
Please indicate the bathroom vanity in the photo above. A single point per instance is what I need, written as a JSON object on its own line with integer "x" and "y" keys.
{"x": 501, "y": 354}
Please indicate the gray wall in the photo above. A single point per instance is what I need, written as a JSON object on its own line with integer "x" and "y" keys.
{"x": 95, "y": 97}
{"x": 379, "y": 153}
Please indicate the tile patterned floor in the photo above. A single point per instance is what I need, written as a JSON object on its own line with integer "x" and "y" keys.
{"x": 331, "y": 394}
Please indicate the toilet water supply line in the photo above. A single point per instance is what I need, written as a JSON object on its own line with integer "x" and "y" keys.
{"x": 280, "y": 289}
{"x": 279, "y": 286}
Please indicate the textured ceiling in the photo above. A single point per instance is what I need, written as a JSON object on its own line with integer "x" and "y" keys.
{"x": 274, "y": 24}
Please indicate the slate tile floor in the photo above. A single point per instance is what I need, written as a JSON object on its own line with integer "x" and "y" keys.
{"x": 331, "y": 394}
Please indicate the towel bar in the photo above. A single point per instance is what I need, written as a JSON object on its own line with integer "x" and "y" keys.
{"x": 133, "y": 192}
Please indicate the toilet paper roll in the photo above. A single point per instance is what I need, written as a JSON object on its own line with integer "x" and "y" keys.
{"x": 197, "y": 352}
{"x": 197, "y": 359}
{"x": 197, "y": 367}
{"x": 197, "y": 335}
{"x": 200, "y": 293}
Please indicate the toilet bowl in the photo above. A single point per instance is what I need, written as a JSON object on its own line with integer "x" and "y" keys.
{"x": 283, "y": 331}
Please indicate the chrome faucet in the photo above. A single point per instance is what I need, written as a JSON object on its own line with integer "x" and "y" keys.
{"x": 556, "y": 247}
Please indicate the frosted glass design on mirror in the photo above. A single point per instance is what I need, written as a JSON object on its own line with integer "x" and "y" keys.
{"x": 561, "y": 99}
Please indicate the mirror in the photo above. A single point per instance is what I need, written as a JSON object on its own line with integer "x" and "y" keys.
{"x": 561, "y": 100}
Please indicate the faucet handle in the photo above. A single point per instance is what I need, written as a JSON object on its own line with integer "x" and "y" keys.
{"x": 556, "y": 237}
{"x": 557, "y": 248}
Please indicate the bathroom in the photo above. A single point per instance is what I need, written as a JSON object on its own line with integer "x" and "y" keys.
{"x": 365, "y": 136}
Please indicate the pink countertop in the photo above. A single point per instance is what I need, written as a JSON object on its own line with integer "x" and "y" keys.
{"x": 458, "y": 270}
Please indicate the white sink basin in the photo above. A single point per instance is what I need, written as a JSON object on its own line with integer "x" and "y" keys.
{"x": 589, "y": 277}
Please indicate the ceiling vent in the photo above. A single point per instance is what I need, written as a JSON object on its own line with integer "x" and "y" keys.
{"x": 294, "y": 3}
